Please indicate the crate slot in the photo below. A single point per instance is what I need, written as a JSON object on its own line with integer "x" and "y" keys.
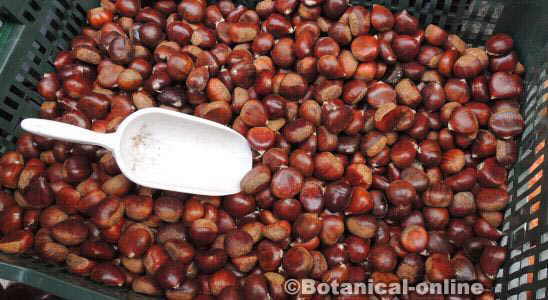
{"x": 529, "y": 245}
{"x": 3, "y": 133}
{"x": 544, "y": 238}
{"x": 60, "y": 15}
{"x": 81, "y": 9}
{"x": 504, "y": 240}
{"x": 71, "y": 29}
{"x": 526, "y": 278}
{"x": 36, "y": 60}
{"x": 50, "y": 36}
{"x": 524, "y": 153}
{"x": 5, "y": 115}
{"x": 528, "y": 261}
{"x": 39, "y": 47}
{"x": 543, "y": 255}
{"x": 65, "y": 37}
{"x": 540, "y": 146}
{"x": 506, "y": 224}
{"x": 535, "y": 206}
{"x": 55, "y": 25}
{"x": 34, "y": 5}
{"x": 533, "y": 224}
{"x": 513, "y": 283}
{"x": 494, "y": 12}
{"x": 28, "y": 84}
{"x": 514, "y": 267}
{"x": 78, "y": 21}
{"x": 517, "y": 235}
{"x": 528, "y": 128}
{"x": 9, "y": 102}
{"x": 541, "y": 293}
{"x": 521, "y": 190}
{"x": 15, "y": 90}
{"x": 64, "y": 3}
{"x": 35, "y": 74}
{"x": 542, "y": 274}
{"x": 82, "y": 13}
{"x": 28, "y": 16}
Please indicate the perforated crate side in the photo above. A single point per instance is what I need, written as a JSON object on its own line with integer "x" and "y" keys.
{"x": 523, "y": 275}
{"x": 27, "y": 51}
{"x": 55, "y": 279}
{"x": 23, "y": 11}
{"x": 473, "y": 20}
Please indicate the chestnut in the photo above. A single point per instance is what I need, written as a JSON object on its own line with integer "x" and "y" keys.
{"x": 297, "y": 262}
{"x": 401, "y": 192}
{"x": 108, "y": 274}
{"x": 439, "y": 267}
{"x": 505, "y": 85}
{"x": 70, "y": 232}
{"x": 78, "y": 264}
{"x": 16, "y": 242}
{"x": 97, "y": 250}
{"x": 499, "y": 44}
{"x": 382, "y": 18}
{"x": 170, "y": 275}
{"x": 203, "y": 231}
{"x": 220, "y": 280}
{"x": 168, "y": 209}
{"x": 492, "y": 199}
{"x": 383, "y": 258}
{"x": 108, "y": 212}
{"x": 506, "y": 124}
{"x": 506, "y": 152}
{"x": 135, "y": 240}
{"x": 405, "y": 47}
{"x": 491, "y": 259}
{"x": 403, "y": 153}
{"x": 286, "y": 183}
{"x": 452, "y": 161}
{"x": 210, "y": 261}
{"x": 242, "y": 32}
{"x": 414, "y": 238}
{"x": 459, "y": 231}
{"x": 146, "y": 285}
{"x": 411, "y": 267}
{"x": 463, "y": 120}
{"x": 276, "y": 231}
{"x": 365, "y": 48}
{"x": 138, "y": 207}
{"x": 467, "y": 66}
{"x": 435, "y": 35}
{"x": 238, "y": 243}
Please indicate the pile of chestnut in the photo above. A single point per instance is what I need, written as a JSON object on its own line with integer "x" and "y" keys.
{"x": 381, "y": 150}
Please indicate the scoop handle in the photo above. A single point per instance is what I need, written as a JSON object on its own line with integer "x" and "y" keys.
{"x": 69, "y": 133}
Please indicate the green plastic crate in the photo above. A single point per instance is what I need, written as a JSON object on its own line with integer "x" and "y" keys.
{"x": 33, "y": 31}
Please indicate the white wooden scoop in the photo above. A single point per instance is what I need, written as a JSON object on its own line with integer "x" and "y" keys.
{"x": 167, "y": 150}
